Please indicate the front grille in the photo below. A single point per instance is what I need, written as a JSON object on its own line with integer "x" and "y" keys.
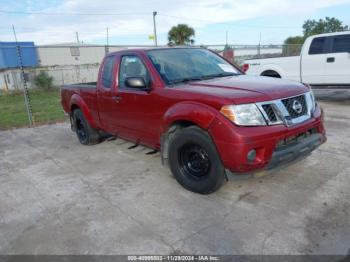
{"x": 269, "y": 112}
{"x": 288, "y": 111}
{"x": 293, "y": 104}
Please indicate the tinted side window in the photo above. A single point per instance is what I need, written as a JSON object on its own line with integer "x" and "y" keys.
{"x": 341, "y": 44}
{"x": 317, "y": 46}
{"x": 107, "y": 73}
{"x": 131, "y": 66}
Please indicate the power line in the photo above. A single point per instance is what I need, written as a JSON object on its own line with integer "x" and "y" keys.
{"x": 133, "y": 14}
{"x": 46, "y": 30}
{"x": 7, "y": 27}
{"x": 226, "y": 23}
{"x": 65, "y": 13}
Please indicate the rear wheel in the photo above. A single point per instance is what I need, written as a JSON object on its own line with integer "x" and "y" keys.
{"x": 194, "y": 161}
{"x": 85, "y": 133}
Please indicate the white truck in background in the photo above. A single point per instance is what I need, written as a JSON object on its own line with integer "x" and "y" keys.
{"x": 324, "y": 61}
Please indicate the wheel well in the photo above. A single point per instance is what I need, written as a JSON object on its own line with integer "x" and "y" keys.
{"x": 73, "y": 107}
{"x": 271, "y": 73}
{"x": 182, "y": 124}
{"x": 166, "y": 136}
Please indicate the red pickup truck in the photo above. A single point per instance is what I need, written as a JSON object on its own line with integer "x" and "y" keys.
{"x": 205, "y": 116}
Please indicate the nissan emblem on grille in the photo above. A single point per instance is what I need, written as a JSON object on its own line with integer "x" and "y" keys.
{"x": 288, "y": 111}
{"x": 297, "y": 106}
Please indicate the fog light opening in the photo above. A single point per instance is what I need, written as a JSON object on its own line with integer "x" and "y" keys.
{"x": 251, "y": 155}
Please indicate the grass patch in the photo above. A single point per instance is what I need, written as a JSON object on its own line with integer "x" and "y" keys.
{"x": 46, "y": 107}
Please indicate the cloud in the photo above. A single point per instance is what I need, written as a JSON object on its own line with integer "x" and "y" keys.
{"x": 137, "y": 18}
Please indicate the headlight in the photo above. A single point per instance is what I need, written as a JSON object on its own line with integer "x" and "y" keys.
{"x": 244, "y": 115}
{"x": 313, "y": 100}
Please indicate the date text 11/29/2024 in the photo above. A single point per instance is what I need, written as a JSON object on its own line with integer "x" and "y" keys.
{"x": 174, "y": 258}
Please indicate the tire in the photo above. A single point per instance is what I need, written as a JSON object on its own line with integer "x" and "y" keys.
{"x": 85, "y": 133}
{"x": 194, "y": 161}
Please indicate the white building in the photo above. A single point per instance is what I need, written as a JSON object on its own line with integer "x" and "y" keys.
{"x": 79, "y": 63}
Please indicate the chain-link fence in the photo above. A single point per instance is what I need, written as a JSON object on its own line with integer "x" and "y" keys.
{"x": 42, "y": 69}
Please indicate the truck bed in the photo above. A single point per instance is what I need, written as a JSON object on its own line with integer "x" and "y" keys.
{"x": 81, "y": 85}
{"x": 287, "y": 67}
{"x": 272, "y": 57}
{"x": 86, "y": 91}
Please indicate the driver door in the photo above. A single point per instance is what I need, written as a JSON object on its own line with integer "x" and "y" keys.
{"x": 137, "y": 112}
{"x": 106, "y": 95}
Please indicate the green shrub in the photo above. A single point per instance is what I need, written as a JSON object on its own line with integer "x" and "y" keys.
{"x": 43, "y": 81}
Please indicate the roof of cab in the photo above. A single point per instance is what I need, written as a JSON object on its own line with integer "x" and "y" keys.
{"x": 143, "y": 49}
{"x": 331, "y": 34}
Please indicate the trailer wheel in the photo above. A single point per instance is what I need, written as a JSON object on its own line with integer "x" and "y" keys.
{"x": 85, "y": 133}
{"x": 194, "y": 161}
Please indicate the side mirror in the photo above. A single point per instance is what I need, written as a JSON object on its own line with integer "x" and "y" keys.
{"x": 136, "y": 82}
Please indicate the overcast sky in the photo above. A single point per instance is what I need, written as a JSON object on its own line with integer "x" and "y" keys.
{"x": 130, "y": 21}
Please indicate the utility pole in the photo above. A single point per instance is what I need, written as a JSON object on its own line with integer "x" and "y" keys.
{"x": 107, "y": 41}
{"x": 77, "y": 35}
{"x": 107, "y": 37}
{"x": 259, "y": 44}
{"x": 25, "y": 87}
{"x": 154, "y": 28}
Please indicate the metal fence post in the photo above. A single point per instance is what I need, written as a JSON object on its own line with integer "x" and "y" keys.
{"x": 25, "y": 87}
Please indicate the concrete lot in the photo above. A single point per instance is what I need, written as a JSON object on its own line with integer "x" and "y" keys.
{"x": 59, "y": 197}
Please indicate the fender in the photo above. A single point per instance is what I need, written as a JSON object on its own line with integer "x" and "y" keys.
{"x": 200, "y": 114}
{"x": 78, "y": 101}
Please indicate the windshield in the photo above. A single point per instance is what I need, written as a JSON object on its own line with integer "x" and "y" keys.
{"x": 180, "y": 65}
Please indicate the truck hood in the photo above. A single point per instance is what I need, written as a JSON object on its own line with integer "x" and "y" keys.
{"x": 245, "y": 89}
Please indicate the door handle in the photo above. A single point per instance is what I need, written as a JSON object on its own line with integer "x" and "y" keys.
{"x": 117, "y": 98}
{"x": 330, "y": 59}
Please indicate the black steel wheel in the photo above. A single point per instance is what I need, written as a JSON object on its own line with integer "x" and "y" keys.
{"x": 194, "y": 160}
{"x": 85, "y": 133}
{"x": 81, "y": 130}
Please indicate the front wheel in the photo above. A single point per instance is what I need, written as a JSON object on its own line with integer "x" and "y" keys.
{"x": 85, "y": 133}
{"x": 194, "y": 161}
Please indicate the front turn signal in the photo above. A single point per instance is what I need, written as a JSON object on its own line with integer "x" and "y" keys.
{"x": 228, "y": 112}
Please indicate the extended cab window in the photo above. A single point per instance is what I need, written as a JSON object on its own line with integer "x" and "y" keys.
{"x": 131, "y": 66}
{"x": 107, "y": 73}
{"x": 317, "y": 46}
{"x": 341, "y": 44}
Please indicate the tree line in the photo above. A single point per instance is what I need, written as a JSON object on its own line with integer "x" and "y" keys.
{"x": 183, "y": 34}
{"x": 293, "y": 44}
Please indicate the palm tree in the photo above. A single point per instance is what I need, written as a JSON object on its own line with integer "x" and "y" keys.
{"x": 181, "y": 35}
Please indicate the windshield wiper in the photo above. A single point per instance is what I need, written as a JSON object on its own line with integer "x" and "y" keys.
{"x": 184, "y": 80}
{"x": 219, "y": 75}
{"x": 198, "y": 78}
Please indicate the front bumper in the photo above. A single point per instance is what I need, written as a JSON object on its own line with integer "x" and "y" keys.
{"x": 295, "y": 151}
{"x": 234, "y": 143}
